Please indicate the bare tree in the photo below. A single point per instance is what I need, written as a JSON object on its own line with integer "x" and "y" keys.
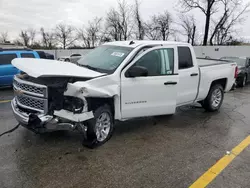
{"x": 125, "y": 18}
{"x": 159, "y": 26}
{"x": 25, "y": 38}
{"x": 48, "y": 39}
{"x": 91, "y": 35}
{"x": 105, "y": 36}
{"x": 139, "y": 23}
{"x": 94, "y": 29}
{"x": 64, "y": 34}
{"x": 164, "y": 22}
{"x": 232, "y": 15}
{"x": 113, "y": 24}
{"x": 119, "y": 23}
{"x": 18, "y": 42}
{"x": 28, "y": 36}
{"x": 188, "y": 26}
{"x": 4, "y": 37}
{"x": 151, "y": 29}
{"x": 32, "y": 35}
{"x": 208, "y": 7}
{"x": 83, "y": 35}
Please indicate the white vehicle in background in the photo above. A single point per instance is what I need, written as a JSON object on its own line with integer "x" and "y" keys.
{"x": 72, "y": 58}
{"x": 116, "y": 81}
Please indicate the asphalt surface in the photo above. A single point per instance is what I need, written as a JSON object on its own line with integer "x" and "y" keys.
{"x": 152, "y": 152}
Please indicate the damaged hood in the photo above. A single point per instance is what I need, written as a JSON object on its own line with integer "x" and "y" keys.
{"x": 52, "y": 68}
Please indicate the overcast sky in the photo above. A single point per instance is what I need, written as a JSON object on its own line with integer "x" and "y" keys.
{"x": 22, "y": 14}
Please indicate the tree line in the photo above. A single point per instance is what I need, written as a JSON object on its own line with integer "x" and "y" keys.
{"x": 126, "y": 23}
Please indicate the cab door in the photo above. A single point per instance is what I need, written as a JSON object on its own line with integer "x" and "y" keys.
{"x": 154, "y": 93}
{"x": 189, "y": 76}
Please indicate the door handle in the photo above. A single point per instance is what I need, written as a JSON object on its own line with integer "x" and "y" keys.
{"x": 194, "y": 74}
{"x": 170, "y": 83}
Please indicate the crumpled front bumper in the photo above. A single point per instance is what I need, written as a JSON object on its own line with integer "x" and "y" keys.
{"x": 47, "y": 123}
{"x": 23, "y": 117}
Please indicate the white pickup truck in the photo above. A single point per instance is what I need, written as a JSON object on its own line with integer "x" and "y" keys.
{"x": 116, "y": 81}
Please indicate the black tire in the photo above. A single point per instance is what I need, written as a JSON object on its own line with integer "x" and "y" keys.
{"x": 91, "y": 141}
{"x": 67, "y": 60}
{"x": 207, "y": 104}
{"x": 243, "y": 81}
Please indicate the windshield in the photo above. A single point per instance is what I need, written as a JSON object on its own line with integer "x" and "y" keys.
{"x": 105, "y": 58}
{"x": 239, "y": 61}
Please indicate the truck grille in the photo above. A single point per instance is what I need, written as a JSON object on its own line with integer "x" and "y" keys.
{"x": 30, "y": 95}
{"x": 32, "y": 103}
{"x": 29, "y": 88}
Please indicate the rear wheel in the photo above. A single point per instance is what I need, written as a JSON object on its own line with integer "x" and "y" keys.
{"x": 100, "y": 128}
{"x": 214, "y": 99}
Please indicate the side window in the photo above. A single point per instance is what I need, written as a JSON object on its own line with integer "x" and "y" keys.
{"x": 27, "y": 55}
{"x": 6, "y": 59}
{"x": 185, "y": 58}
{"x": 158, "y": 62}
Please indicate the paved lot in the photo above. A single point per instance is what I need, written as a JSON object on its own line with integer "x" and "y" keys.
{"x": 164, "y": 152}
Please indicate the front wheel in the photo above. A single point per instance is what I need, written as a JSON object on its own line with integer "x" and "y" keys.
{"x": 214, "y": 99}
{"x": 100, "y": 128}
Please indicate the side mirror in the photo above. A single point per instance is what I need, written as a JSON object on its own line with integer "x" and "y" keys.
{"x": 137, "y": 71}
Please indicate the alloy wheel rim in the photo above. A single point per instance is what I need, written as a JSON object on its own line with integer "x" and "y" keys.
{"x": 216, "y": 98}
{"x": 102, "y": 126}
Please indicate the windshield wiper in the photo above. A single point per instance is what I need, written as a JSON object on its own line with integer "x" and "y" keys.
{"x": 89, "y": 67}
{"x": 93, "y": 68}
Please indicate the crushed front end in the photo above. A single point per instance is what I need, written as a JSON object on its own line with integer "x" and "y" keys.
{"x": 40, "y": 104}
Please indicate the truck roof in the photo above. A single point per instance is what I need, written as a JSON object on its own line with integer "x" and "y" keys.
{"x": 135, "y": 43}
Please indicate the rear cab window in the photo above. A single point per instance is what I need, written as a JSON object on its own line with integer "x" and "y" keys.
{"x": 185, "y": 57}
{"x": 5, "y": 59}
{"x": 27, "y": 55}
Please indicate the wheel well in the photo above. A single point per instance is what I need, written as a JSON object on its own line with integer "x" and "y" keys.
{"x": 95, "y": 102}
{"x": 222, "y": 82}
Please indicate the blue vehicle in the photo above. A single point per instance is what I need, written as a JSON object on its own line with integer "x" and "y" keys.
{"x": 7, "y": 70}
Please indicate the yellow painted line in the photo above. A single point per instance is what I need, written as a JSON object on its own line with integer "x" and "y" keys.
{"x": 5, "y": 101}
{"x": 216, "y": 169}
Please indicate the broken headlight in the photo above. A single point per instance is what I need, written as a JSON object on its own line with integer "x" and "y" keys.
{"x": 74, "y": 104}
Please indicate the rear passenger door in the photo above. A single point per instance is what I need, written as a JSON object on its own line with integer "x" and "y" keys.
{"x": 7, "y": 70}
{"x": 188, "y": 75}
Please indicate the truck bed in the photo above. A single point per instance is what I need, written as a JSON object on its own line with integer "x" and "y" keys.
{"x": 202, "y": 62}
{"x": 213, "y": 69}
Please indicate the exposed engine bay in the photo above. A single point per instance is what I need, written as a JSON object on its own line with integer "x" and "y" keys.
{"x": 56, "y": 87}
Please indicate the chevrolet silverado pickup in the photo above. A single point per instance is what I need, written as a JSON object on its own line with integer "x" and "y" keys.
{"x": 116, "y": 81}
